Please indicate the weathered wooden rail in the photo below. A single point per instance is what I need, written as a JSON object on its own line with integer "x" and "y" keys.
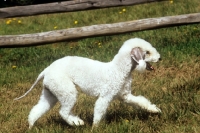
{"x": 96, "y": 30}
{"x": 66, "y": 6}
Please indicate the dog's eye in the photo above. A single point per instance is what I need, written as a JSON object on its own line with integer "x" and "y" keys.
{"x": 147, "y": 52}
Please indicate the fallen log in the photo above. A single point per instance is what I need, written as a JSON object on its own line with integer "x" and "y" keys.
{"x": 96, "y": 30}
{"x": 66, "y": 6}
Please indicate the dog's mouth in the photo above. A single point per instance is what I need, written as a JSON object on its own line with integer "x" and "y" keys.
{"x": 149, "y": 66}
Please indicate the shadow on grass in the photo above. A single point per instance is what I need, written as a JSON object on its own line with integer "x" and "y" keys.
{"x": 139, "y": 114}
{"x": 110, "y": 117}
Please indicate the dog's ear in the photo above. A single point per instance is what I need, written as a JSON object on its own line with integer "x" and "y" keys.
{"x": 137, "y": 54}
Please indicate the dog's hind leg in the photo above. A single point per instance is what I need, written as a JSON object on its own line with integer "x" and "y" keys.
{"x": 46, "y": 102}
{"x": 66, "y": 94}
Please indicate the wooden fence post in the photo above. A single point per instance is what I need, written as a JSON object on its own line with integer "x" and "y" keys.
{"x": 96, "y": 30}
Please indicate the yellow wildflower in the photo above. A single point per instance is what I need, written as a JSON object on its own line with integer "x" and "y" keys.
{"x": 19, "y": 21}
{"x": 126, "y": 121}
{"x": 124, "y": 10}
{"x": 8, "y": 21}
{"x": 99, "y": 44}
{"x": 13, "y": 67}
{"x": 120, "y": 12}
{"x": 171, "y": 1}
{"x": 76, "y": 22}
{"x": 55, "y": 27}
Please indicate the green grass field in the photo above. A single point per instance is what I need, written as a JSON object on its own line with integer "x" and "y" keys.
{"x": 174, "y": 86}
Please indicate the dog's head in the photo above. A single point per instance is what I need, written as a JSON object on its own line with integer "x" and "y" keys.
{"x": 142, "y": 53}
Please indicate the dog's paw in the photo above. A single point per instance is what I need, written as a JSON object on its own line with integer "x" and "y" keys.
{"x": 75, "y": 121}
{"x": 78, "y": 122}
{"x": 153, "y": 109}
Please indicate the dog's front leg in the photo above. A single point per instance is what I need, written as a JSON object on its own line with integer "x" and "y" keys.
{"x": 140, "y": 101}
{"x": 100, "y": 108}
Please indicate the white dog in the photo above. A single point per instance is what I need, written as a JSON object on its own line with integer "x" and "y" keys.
{"x": 104, "y": 80}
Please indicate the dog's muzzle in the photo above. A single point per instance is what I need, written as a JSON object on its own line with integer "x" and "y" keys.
{"x": 149, "y": 66}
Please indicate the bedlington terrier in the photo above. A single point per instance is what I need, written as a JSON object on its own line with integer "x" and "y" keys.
{"x": 107, "y": 81}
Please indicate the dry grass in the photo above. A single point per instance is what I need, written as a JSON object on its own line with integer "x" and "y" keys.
{"x": 170, "y": 97}
{"x": 174, "y": 86}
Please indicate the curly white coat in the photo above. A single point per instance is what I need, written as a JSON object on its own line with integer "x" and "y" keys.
{"x": 104, "y": 80}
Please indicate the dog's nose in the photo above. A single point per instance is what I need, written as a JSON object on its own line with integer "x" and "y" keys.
{"x": 159, "y": 59}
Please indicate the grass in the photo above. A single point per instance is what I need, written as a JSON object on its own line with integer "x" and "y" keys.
{"x": 174, "y": 86}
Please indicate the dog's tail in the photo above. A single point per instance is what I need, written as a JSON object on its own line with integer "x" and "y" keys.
{"x": 41, "y": 75}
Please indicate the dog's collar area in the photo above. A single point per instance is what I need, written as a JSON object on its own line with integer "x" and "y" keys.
{"x": 149, "y": 66}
